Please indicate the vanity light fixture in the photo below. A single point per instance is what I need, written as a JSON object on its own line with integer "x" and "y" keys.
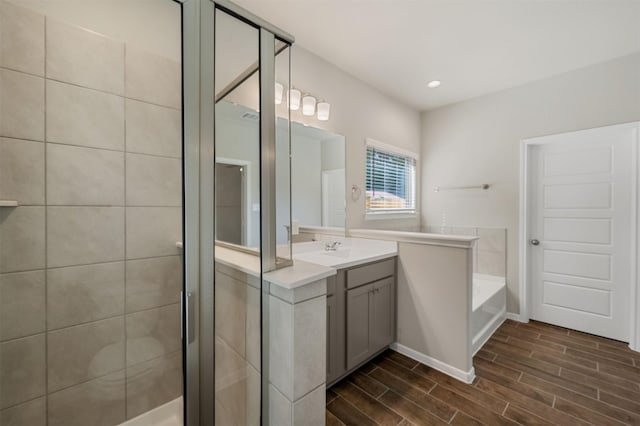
{"x": 324, "y": 108}
{"x": 294, "y": 99}
{"x": 279, "y": 90}
{"x": 433, "y": 84}
{"x": 308, "y": 105}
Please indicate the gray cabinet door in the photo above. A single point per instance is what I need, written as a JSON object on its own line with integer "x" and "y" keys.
{"x": 359, "y": 344}
{"x": 383, "y": 313}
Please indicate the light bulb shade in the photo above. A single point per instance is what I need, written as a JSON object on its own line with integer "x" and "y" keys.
{"x": 308, "y": 105}
{"x": 324, "y": 108}
{"x": 278, "y": 93}
{"x": 294, "y": 99}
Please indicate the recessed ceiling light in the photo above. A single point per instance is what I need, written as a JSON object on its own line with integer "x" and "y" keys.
{"x": 433, "y": 84}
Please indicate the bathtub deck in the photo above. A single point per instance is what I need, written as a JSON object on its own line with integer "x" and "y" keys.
{"x": 526, "y": 374}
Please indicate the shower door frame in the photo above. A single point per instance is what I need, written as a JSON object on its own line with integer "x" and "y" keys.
{"x": 199, "y": 94}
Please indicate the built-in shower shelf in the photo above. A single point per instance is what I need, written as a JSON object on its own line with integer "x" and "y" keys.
{"x": 8, "y": 203}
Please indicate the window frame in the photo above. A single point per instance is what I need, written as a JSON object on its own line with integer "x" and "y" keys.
{"x": 375, "y": 214}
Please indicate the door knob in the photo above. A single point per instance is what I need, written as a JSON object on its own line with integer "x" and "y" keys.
{"x": 534, "y": 242}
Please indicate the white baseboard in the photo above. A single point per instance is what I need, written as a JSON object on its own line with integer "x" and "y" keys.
{"x": 456, "y": 373}
{"x": 513, "y": 317}
{"x": 487, "y": 331}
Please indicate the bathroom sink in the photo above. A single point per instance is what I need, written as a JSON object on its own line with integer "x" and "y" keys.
{"x": 351, "y": 251}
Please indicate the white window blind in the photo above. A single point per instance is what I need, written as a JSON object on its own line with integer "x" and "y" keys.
{"x": 390, "y": 181}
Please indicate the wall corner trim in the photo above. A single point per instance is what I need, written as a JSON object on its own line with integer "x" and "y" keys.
{"x": 456, "y": 373}
{"x": 514, "y": 317}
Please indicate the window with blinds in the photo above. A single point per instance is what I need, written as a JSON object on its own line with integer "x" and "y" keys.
{"x": 390, "y": 182}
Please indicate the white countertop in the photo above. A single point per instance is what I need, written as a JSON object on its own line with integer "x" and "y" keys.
{"x": 243, "y": 262}
{"x": 291, "y": 277}
{"x": 310, "y": 260}
{"x": 351, "y": 252}
{"x": 299, "y": 274}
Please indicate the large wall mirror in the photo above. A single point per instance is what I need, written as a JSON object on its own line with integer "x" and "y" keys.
{"x": 317, "y": 176}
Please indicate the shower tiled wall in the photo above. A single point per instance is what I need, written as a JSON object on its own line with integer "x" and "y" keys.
{"x": 90, "y": 276}
{"x": 490, "y": 251}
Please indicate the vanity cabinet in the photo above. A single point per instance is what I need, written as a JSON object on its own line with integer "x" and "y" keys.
{"x": 370, "y": 317}
{"x": 361, "y": 316}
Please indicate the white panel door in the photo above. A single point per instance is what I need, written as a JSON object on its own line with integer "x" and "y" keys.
{"x": 582, "y": 187}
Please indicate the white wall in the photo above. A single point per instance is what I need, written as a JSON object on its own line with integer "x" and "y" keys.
{"x": 358, "y": 111}
{"x": 478, "y": 142}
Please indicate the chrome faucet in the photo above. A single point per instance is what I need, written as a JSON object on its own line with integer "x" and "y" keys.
{"x": 332, "y": 245}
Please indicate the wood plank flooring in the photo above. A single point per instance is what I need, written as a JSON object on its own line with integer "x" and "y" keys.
{"x": 528, "y": 374}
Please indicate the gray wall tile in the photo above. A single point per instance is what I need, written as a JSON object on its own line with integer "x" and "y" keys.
{"x": 153, "y": 231}
{"x": 491, "y": 263}
{"x": 22, "y": 304}
{"x": 32, "y": 413}
{"x": 82, "y": 294}
{"x": 231, "y": 312}
{"x": 280, "y": 408}
{"x": 297, "y": 358}
{"x": 165, "y": 86}
{"x": 83, "y": 235}
{"x": 310, "y": 409}
{"x": 152, "y": 129}
{"x": 253, "y": 326}
{"x": 153, "y": 181}
{"x": 98, "y": 349}
{"x": 230, "y": 366}
{"x": 281, "y": 360}
{"x": 491, "y": 251}
{"x": 24, "y": 227}
{"x": 82, "y": 57}
{"x": 22, "y": 171}
{"x": 153, "y": 282}
{"x": 254, "y": 391}
{"x": 22, "y": 111}
{"x": 21, "y": 39}
{"x": 153, "y": 383}
{"x": 492, "y": 239}
{"x": 22, "y": 370}
{"x": 152, "y": 333}
{"x": 80, "y": 116}
{"x": 84, "y": 176}
{"x": 84, "y": 111}
{"x": 309, "y": 349}
{"x": 99, "y": 402}
{"x": 231, "y": 384}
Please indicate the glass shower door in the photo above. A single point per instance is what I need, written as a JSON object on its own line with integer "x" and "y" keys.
{"x": 234, "y": 221}
{"x": 90, "y": 212}
{"x": 237, "y": 222}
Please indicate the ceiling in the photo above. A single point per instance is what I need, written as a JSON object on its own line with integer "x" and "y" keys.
{"x": 474, "y": 47}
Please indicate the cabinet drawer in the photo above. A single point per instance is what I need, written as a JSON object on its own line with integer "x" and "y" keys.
{"x": 369, "y": 273}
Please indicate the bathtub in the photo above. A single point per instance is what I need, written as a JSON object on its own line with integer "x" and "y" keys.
{"x": 169, "y": 414}
{"x": 488, "y": 308}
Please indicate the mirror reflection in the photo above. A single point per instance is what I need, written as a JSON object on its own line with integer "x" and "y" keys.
{"x": 317, "y": 176}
